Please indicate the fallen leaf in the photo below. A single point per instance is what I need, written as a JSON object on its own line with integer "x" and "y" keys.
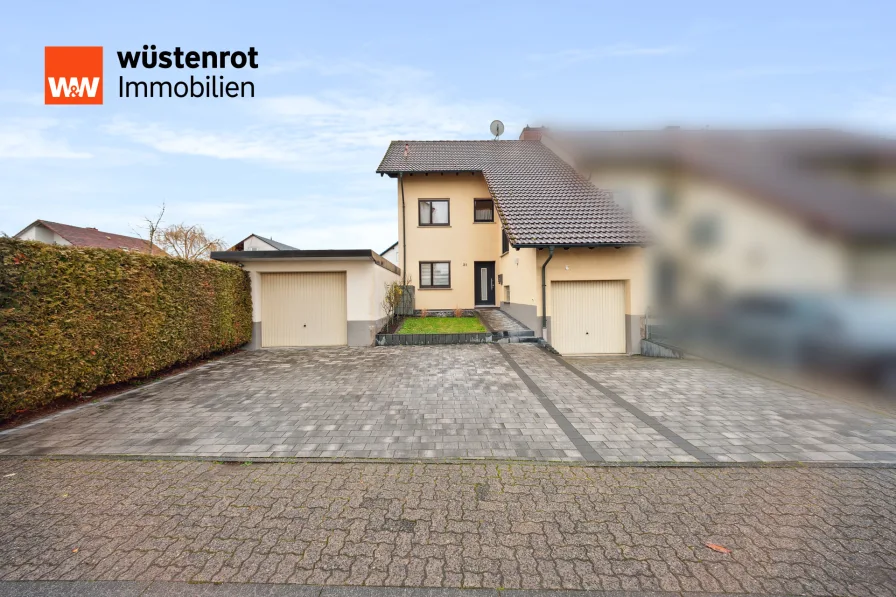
{"x": 9, "y": 475}
{"x": 718, "y": 548}
{"x": 75, "y": 550}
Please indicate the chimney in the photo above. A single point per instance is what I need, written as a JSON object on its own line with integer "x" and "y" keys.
{"x": 532, "y": 133}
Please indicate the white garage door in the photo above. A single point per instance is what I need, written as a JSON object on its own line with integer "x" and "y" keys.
{"x": 303, "y": 309}
{"x": 588, "y": 317}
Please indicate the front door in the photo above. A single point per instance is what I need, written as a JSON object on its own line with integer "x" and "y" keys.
{"x": 485, "y": 282}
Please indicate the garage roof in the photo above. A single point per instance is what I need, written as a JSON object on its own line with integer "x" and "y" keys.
{"x": 309, "y": 254}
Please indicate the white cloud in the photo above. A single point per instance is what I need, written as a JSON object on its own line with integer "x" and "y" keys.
{"x": 254, "y": 147}
{"x": 616, "y": 51}
{"x": 338, "y": 68}
{"x": 11, "y": 96}
{"x": 783, "y": 70}
{"x": 344, "y": 131}
{"x": 30, "y": 138}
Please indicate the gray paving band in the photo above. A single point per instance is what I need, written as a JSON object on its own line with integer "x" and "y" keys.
{"x": 183, "y": 589}
{"x": 647, "y": 419}
{"x": 585, "y": 449}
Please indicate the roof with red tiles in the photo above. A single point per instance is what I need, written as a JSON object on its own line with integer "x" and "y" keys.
{"x": 91, "y": 237}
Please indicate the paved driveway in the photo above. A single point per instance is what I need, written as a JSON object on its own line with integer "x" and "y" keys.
{"x": 479, "y": 401}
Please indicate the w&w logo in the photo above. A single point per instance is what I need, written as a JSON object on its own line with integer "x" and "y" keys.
{"x": 73, "y": 75}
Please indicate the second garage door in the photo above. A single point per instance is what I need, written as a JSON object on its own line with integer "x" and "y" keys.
{"x": 588, "y": 317}
{"x": 303, "y": 309}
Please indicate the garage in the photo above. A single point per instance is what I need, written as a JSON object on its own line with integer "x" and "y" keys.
{"x": 588, "y": 317}
{"x": 303, "y": 309}
{"x": 330, "y": 297}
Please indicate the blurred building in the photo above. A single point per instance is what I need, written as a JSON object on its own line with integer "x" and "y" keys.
{"x": 737, "y": 212}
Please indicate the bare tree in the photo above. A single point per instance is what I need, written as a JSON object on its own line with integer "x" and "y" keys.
{"x": 391, "y": 300}
{"x": 189, "y": 242}
{"x": 153, "y": 228}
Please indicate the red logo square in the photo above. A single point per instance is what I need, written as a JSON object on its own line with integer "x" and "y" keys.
{"x": 73, "y": 75}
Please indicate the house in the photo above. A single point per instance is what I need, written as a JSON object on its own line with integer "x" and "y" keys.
{"x": 314, "y": 297}
{"x": 391, "y": 254}
{"x": 254, "y": 242}
{"x": 736, "y": 212}
{"x": 55, "y": 233}
{"x": 509, "y": 224}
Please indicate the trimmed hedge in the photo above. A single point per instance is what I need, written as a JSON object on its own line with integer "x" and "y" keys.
{"x": 74, "y": 319}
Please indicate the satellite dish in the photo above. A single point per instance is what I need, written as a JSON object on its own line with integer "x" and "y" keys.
{"x": 497, "y": 128}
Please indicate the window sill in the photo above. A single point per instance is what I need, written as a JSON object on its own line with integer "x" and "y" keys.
{"x": 505, "y": 253}
{"x": 434, "y": 288}
{"x": 434, "y": 226}
{"x": 484, "y": 222}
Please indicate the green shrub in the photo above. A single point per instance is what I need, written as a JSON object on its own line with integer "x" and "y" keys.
{"x": 73, "y": 319}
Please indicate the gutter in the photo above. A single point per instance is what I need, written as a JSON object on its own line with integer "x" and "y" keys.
{"x": 404, "y": 235}
{"x": 544, "y": 292}
{"x": 579, "y": 246}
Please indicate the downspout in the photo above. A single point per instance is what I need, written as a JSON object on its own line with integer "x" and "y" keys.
{"x": 544, "y": 291}
{"x": 404, "y": 236}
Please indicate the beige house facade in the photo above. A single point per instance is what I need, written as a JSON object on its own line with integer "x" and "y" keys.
{"x": 507, "y": 225}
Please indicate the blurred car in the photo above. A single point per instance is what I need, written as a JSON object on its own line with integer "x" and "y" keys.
{"x": 853, "y": 336}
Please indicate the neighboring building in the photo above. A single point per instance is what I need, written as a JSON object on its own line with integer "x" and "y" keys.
{"x": 253, "y": 242}
{"x": 747, "y": 211}
{"x": 391, "y": 253}
{"x": 480, "y": 221}
{"x": 54, "y": 233}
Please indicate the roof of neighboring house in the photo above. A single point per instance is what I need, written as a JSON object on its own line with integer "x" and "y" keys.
{"x": 540, "y": 198}
{"x": 91, "y": 237}
{"x": 774, "y": 165}
{"x": 392, "y": 246}
{"x": 276, "y": 244}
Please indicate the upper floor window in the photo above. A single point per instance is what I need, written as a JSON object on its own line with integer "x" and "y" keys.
{"x": 483, "y": 210}
{"x": 505, "y": 242}
{"x": 434, "y": 212}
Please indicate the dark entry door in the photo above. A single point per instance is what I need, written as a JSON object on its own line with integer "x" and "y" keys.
{"x": 485, "y": 282}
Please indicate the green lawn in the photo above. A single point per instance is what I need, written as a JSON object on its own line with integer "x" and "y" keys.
{"x": 441, "y": 325}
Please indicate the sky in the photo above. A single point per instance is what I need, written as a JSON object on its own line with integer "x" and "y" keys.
{"x": 338, "y": 80}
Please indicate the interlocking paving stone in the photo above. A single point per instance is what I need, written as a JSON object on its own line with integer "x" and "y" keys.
{"x": 465, "y": 401}
{"x": 641, "y": 415}
{"x": 499, "y": 321}
{"x": 181, "y": 589}
{"x": 736, "y": 417}
{"x": 585, "y": 449}
{"x": 801, "y": 531}
{"x": 616, "y": 433}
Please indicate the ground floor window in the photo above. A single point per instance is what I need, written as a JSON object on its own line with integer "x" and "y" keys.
{"x": 507, "y": 294}
{"x": 435, "y": 274}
